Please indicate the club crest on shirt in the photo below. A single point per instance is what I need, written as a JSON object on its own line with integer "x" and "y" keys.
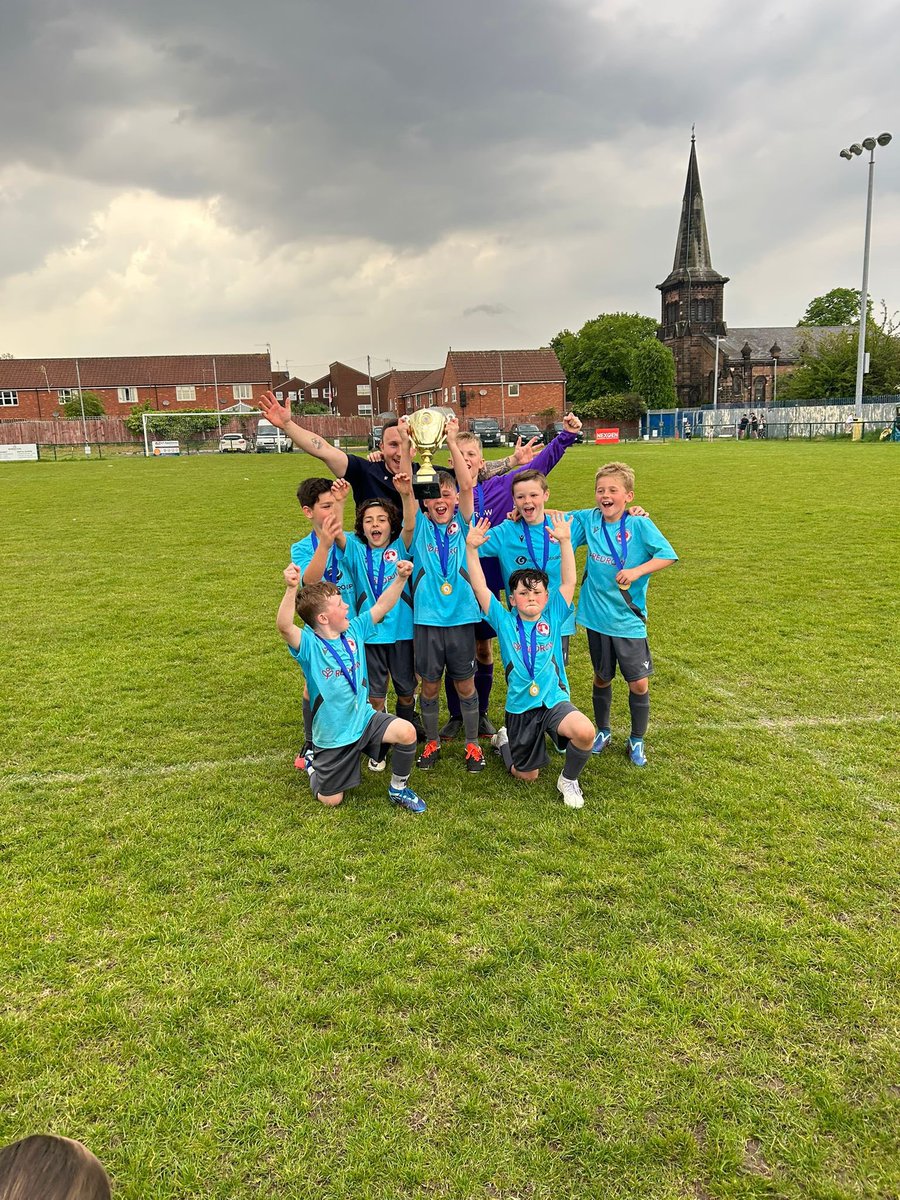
{"x": 452, "y": 528}
{"x": 521, "y": 560}
{"x": 390, "y": 556}
{"x": 543, "y": 629}
{"x": 352, "y": 644}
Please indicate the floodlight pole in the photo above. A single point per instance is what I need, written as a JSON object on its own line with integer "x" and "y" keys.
{"x": 716, "y": 377}
{"x": 869, "y": 143}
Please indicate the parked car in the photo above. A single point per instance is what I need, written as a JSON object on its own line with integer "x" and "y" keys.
{"x": 524, "y": 430}
{"x": 556, "y": 427}
{"x": 271, "y": 440}
{"x": 233, "y": 443}
{"x": 374, "y": 441}
{"x": 487, "y": 429}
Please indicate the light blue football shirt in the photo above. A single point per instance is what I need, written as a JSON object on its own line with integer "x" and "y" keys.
{"x": 549, "y": 670}
{"x": 336, "y": 571}
{"x": 431, "y": 605}
{"x": 601, "y": 606}
{"x": 339, "y": 716}
{"x": 508, "y": 542}
{"x": 397, "y": 626}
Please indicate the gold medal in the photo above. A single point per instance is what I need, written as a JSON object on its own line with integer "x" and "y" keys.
{"x": 625, "y": 586}
{"x": 446, "y": 588}
{"x": 533, "y": 690}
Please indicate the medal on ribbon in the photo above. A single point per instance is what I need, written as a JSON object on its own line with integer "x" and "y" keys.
{"x": 348, "y": 674}
{"x": 479, "y": 502}
{"x": 331, "y": 571}
{"x": 377, "y": 584}
{"x": 618, "y": 559}
{"x": 442, "y": 540}
{"x": 526, "y": 529}
{"x": 528, "y": 650}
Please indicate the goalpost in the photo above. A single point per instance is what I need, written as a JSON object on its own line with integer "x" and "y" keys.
{"x": 155, "y": 447}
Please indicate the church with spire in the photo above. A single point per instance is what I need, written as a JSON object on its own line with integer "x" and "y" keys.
{"x": 749, "y": 361}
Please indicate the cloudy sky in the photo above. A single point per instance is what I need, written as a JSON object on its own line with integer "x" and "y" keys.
{"x": 391, "y": 177}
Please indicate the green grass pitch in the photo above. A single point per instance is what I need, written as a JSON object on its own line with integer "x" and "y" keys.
{"x": 686, "y": 990}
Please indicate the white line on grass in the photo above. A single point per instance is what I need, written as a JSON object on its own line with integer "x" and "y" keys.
{"x": 777, "y": 724}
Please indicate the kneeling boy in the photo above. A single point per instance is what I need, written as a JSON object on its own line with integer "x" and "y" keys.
{"x": 344, "y": 723}
{"x": 530, "y": 636}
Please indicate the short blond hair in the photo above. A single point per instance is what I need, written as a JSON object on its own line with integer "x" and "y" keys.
{"x": 468, "y": 436}
{"x": 625, "y": 473}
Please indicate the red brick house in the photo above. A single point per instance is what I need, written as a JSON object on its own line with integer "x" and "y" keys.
{"x": 510, "y": 385}
{"x": 344, "y": 389}
{"x": 392, "y": 388}
{"x": 37, "y": 388}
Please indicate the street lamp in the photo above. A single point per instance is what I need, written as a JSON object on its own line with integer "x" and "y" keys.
{"x": 869, "y": 144}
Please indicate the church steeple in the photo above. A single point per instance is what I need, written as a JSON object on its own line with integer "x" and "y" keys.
{"x": 693, "y": 261}
{"x": 693, "y": 295}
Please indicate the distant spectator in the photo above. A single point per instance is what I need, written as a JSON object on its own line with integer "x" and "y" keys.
{"x": 763, "y": 427}
{"x": 754, "y": 426}
{"x": 46, "y": 1167}
{"x": 743, "y": 426}
{"x": 686, "y": 430}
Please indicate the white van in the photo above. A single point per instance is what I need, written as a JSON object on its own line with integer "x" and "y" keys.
{"x": 272, "y": 440}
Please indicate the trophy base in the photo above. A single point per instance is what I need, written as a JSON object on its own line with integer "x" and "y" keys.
{"x": 427, "y": 489}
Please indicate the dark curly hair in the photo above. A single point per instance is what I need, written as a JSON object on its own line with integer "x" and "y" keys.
{"x": 393, "y": 515}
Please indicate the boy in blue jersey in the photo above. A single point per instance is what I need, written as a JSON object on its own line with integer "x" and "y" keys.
{"x": 623, "y": 552}
{"x": 371, "y": 556}
{"x": 444, "y": 609}
{"x": 320, "y": 555}
{"x": 530, "y": 636}
{"x": 344, "y": 724}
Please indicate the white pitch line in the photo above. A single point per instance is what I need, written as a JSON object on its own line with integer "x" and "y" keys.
{"x": 776, "y": 724}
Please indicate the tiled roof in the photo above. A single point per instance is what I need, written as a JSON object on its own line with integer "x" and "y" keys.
{"x": 513, "y": 366}
{"x": 163, "y": 370}
{"x": 426, "y": 383}
{"x": 790, "y": 338}
{"x": 402, "y": 382}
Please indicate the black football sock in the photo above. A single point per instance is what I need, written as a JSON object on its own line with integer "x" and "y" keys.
{"x": 307, "y": 722}
{"x": 430, "y": 718}
{"x": 506, "y": 755}
{"x": 639, "y": 703}
{"x": 452, "y": 698}
{"x": 602, "y": 706}
{"x": 402, "y": 762}
{"x": 469, "y": 707}
{"x": 575, "y": 761}
{"x": 484, "y": 681}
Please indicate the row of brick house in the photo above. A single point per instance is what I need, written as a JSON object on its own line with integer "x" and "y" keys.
{"x": 510, "y": 385}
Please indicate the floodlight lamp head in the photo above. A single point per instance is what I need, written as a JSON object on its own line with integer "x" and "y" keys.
{"x": 869, "y": 143}
{"x": 883, "y": 139}
{"x": 856, "y": 148}
{"x": 846, "y": 154}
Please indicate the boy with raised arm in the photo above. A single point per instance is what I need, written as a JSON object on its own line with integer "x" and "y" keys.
{"x": 530, "y": 636}
{"x": 623, "y": 552}
{"x": 444, "y": 608}
{"x": 344, "y": 724}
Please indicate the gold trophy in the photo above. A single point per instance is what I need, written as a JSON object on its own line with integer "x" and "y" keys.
{"x": 428, "y": 428}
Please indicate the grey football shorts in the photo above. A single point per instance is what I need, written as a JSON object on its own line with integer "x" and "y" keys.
{"x": 392, "y": 660}
{"x": 527, "y": 734}
{"x": 337, "y": 769}
{"x": 632, "y": 655}
{"x": 440, "y": 647}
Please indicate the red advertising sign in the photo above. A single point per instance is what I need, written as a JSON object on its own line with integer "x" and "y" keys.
{"x": 605, "y": 435}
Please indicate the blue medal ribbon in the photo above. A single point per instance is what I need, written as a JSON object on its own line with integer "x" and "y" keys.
{"x": 349, "y": 675}
{"x": 442, "y": 540}
{"x": 480, "y": 510}
{"x": 620, "y": 563}
{"x": 331, "y": 571}
{"x": 527, "y": 650}
{"x": 377, "y": 586}
{"x": 526, "y": 529}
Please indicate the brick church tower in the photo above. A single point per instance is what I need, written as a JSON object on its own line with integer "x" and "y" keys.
{"x": 692, "y": 298}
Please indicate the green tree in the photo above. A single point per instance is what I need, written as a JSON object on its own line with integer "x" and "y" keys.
{"x": 93, "y": 406}
{"x": 840, "y": 306}
{"x": 827, "y": 368}
{"x": 597, "y": 359}
{"x": 653, "y": 373}
{"x": 624, "y": 406}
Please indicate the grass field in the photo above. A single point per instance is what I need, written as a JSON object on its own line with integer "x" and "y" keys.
{"x": 687, "y": 989}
